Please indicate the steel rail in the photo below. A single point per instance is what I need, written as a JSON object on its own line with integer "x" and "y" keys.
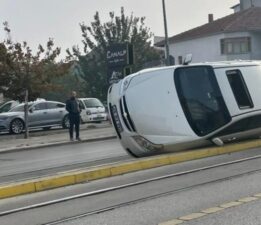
{"x": 56, "y": 201}
{"x": 144, "y": 199}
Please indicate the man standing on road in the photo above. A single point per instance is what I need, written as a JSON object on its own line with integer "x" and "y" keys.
{"x": 73, "y": 107}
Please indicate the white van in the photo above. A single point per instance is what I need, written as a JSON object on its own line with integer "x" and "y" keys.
{"x": 92, "y": 110}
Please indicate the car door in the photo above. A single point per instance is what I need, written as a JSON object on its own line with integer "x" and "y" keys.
{"x": 249, "y": 127}
{"x": 38, "y": 115}
{"x": 55, "y": 111}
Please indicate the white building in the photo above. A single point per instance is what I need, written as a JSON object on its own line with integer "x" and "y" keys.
{"x": 236, "y": 36}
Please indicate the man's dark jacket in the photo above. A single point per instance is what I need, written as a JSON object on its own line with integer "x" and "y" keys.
{"x": 72, "y": 106}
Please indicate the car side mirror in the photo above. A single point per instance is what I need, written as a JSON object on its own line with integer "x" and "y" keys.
{"x": 31, "y": 110}
{"x": 187, "y": 59}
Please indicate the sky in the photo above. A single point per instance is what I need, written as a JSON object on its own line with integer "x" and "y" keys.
{"x": 36, "y": 21}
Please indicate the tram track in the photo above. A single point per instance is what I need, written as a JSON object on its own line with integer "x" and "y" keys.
{"x": 127, "y": 185}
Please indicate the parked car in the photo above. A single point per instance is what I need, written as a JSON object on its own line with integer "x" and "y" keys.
{"x": 42, "y": 114}
{"x": 92, "y": 110}
{"x": 6, "y": 106}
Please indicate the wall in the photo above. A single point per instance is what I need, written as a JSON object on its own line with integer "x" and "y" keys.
{"x": 245, "y": 4}
{"x": 202, "y": 49}
{"x": 256, "y": 45}
{"x": 208, "y": 49}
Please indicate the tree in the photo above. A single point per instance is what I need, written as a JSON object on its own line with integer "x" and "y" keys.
{"x": 22, "y": 70}
{"x": 65, "y": 84}
{"x": 96, "y": 39}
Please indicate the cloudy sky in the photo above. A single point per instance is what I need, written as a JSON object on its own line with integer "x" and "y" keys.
{"x": 36, "y": 20}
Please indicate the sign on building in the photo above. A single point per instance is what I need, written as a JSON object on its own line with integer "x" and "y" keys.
{"x": 119, "y": 57}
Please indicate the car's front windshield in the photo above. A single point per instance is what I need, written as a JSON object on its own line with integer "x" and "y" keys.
{"x": 93, "y": 103}
{"x": 20, "y": 108}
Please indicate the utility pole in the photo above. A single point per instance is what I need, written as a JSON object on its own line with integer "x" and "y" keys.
{"x": 166, "y": 35}
{"x": 26, "y": 134}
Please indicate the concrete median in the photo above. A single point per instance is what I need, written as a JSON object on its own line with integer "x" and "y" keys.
{"x": 103, "y": 132}
{"x": 90, "y": 174}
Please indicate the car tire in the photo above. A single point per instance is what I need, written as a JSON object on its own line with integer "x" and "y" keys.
{"x": 65, "y": 122}
{"x": 16, "y": 126}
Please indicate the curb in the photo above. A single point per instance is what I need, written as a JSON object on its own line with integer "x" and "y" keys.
{"x": 18, "y": 149}
{"x": 39, "y": 133}
{"x": 70, "y": 178}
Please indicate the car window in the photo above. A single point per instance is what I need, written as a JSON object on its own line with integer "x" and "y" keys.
{"x": 5, "y": 108}
{"x": 239, "y": 89}
{"x": 40, "y": 106}
{"x": 201, "y": 99}
{"x": 93, "y": 103}
{"x": 245, "y": 124}
{"x": 20, "y": 108}
{"x": 54, "y": 105}
{"x": 81, "y": 105}
{"x": 60, "y": 105}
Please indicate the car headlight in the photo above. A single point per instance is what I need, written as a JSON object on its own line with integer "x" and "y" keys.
{"x": 88, "y": 112}
{"x": 144, "y": 143}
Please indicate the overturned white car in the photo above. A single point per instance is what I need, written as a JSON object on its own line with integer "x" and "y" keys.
{"x": 179, "y": 107}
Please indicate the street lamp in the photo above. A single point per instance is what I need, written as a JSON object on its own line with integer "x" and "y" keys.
{"x": 166, "y": 34}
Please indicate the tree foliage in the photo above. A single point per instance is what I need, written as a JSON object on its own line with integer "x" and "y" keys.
{"x": 98, "y": 36}
{"x": 21, "y": 69}
{"x": 66, "y": 84}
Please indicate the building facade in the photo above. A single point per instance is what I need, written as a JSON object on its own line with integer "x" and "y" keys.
{"x": 236, "y": 36}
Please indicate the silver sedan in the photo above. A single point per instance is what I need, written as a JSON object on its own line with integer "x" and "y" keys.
{"x": 44, "y": 114}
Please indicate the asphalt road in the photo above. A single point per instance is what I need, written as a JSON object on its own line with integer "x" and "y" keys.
{"x": 15, "y": 166}
{"x": 181, "y": 195}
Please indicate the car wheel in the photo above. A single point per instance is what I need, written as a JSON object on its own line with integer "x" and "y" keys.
{"x": 16, "y": 126}
{"x": 65, "y": 122}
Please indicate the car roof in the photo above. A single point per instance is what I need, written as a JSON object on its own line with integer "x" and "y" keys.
{"x": 6, "y": 102}
{"x": 35, "y": 102}
{"x": 87, "y": 98}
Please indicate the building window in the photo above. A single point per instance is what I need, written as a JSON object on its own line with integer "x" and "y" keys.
{"x": 235, "y": 45}
{"x": 239, "y": 89}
